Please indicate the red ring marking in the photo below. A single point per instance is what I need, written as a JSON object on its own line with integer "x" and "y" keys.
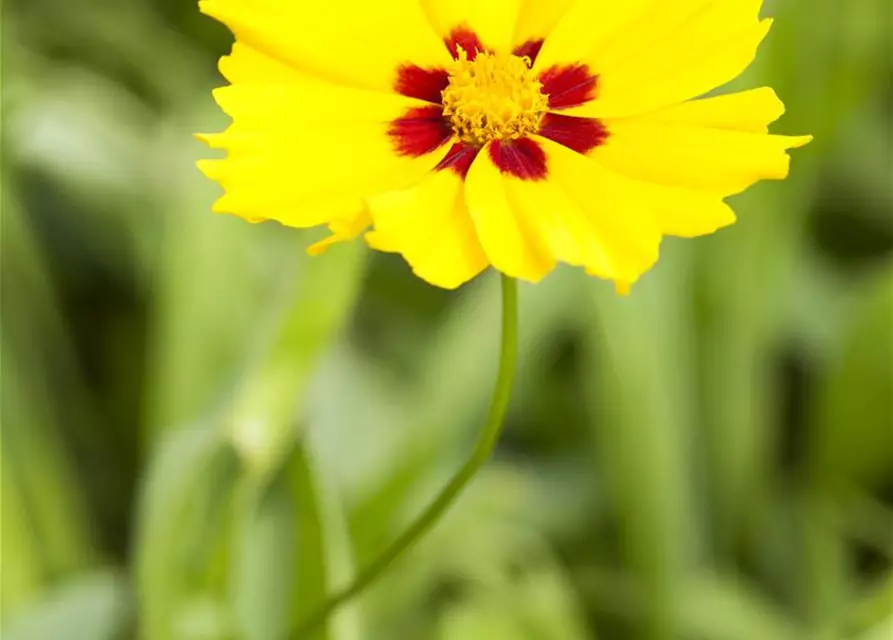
{"x": 467, "y": 39}
{"x": 421, "y": 131}
{"x": 522, "y": 158}
{"x": 424, "y": 84}
{"x": 580, "y": 134}
{"x": 569, "y": 86}
{"x": 459, "y": 159}
{"x": 530, "y": 49}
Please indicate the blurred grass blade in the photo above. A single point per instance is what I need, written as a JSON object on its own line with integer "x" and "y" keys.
{"x": 313, "y": 305}
{"x": 717, "y": 608}
{"x": 176, "y": 538}
{"x": 454, "y": 379}
{"x": 872, "y": 610}
{"x": 197, "y": 337}
{"x": 46, "y": 532}
{"x": 745, "y": 274}
{"x": 280, "y": 570}
{"x": 852, "y": 415}
{"x": 883, "y": 631}
{"x": 708, "y": 607}
{"x": 282, "y": 564}
{"x": 348, "y": 623}
{"x": 849, "y": 448}
{"x": 812, "y": 57}
{"x": 95, "y": 606}
{"x": 642, "y": 415}
{"x": 21, "y": 569}
{"x": 291, "y": 554}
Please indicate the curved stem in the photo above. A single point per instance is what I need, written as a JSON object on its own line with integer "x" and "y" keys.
{"x": 482, "y": 450}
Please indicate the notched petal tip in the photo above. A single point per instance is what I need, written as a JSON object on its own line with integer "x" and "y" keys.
{"x": 222, "y": 205}
{"x": 207, "y": 7}
{"x": 772, "y": 106}
{"x": 343, "y": 230}
{"x": 721, "y": 222}
{"x": 447, "y": 284}
{"x": 211, "y": 168}
{"x": 535, "y": 275}
{"x": 790, "y": 142}
{"x": 319, "y": 248}
{"x": 249, "y": 219}
{"x": 378, "y": 241}
{"x": 797, "y": 142}
{"x": 220, "y": 93}
{"x": 228, "y": 205}
{"x": 448, "y": 279}
{"x": 210, "y": 139}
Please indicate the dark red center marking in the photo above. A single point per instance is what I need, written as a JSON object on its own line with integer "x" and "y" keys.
{"x": 459, "y": 159}
{"x": 423, "y": 130}
{"x": 466, "y": 39}
{"x": 522, "y": 158}
{"x": 530, "y": 49}
{"x": 420, "y": 131}
{"x": 580, "y": 134}
{"x": 569, "y": 86}
{"x": 424, "y": 84}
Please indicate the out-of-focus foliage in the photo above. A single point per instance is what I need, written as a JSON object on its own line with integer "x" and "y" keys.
{"x": 204, "y": 432}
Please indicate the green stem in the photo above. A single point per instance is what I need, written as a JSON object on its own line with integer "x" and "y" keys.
{"x": 484, "y": 447}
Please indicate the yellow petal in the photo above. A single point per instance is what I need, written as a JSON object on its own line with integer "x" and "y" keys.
{"x": 689, "y": 156}
{"x": 573, "y": 236}
{"x": 353, "y": 42}
{"x": 686, "y": 213}
{"x": 587, "y": 26}
{"x": 343, "y": 230}
{"x": 510, "y": 246}
{"x": 537, "y": 19}
{"x": 720, "y": 161}
{"x": 304, "y": 102}
{"x": 612, "y": 224}
{"x": 493, "y": 21}
{"x": 647, "y": 85}
{"x": 308, "y": 179}
{"x": 247, "y": 65}
{"x": 430, "y": 226}
{"x": 751, "y": 111}
{"x": 308, "y": 152}
{"x": 561, "y": 229}
{"x": 650, "y": 54}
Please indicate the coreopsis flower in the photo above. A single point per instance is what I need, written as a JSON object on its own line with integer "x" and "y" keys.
{"x": 517, "y": 134}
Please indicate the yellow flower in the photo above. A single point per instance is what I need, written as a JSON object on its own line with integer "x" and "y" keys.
{"x": 508, "y": 133}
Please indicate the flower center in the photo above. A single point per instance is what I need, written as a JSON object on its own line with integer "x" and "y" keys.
{"x": 493, "y": 97}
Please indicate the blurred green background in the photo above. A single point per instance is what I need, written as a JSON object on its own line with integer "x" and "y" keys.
{"x": 204, "y": 431}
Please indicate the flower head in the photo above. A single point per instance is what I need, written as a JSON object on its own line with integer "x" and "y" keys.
{"x": 508, "y": 133}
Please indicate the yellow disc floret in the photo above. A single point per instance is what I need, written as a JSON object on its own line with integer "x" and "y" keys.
{"x": 495, "y": 96}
